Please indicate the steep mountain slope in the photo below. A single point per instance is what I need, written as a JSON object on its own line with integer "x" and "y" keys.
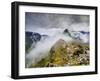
{"x": 65, "y": 54}
{"x": 31, "y": 39}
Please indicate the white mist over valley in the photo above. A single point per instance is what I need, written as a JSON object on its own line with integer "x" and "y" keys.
{"x": 53, "y": 27}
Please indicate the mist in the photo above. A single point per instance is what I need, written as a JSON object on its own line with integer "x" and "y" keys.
{"x": 43, "y": 47}
{"x": 50, "y": 20}
{"x": 52, "y": 25}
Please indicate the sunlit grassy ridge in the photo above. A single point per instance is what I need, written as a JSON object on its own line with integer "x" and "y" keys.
{"x": 65, "y": 54}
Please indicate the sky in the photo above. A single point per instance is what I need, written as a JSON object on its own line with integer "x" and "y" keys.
{"x": 52, "y": 20}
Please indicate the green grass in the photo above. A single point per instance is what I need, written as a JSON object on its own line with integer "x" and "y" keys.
{"x": 60, "y": 56}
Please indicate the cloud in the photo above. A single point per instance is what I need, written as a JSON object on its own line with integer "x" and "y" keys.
{"x": 48, "y": 20}
{"x": 52, "y": 25}
{"x": 42, "y": 48}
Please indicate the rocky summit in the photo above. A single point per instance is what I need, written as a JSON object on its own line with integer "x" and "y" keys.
{"x": 64, "y": 53}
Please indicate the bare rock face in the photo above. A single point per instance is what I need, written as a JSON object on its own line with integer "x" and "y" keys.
{"x": 66, "y": 54}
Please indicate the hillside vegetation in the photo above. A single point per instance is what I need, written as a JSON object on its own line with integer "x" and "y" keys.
{"x": 65, "y": 54}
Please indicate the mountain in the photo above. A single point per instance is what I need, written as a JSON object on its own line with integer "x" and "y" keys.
{"x": 82, "y": 36}
{"x": 69, "y": 54}
{"x": 31, "y": 38}
{"x": 36, "y": 37}
{"x": 28, "y": 40}
{"x": 43, "y": 37}
{"x": 65, "y": 54}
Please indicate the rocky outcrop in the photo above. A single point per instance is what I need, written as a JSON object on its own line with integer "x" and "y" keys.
{"x": 69, "y": 54}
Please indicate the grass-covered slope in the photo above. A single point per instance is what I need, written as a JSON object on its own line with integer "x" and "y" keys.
{"x": 65, "y": 54}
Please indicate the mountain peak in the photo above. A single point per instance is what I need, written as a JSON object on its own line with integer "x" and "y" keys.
{"x": 59, "y": 44}
{"x": 60, "y": 41}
